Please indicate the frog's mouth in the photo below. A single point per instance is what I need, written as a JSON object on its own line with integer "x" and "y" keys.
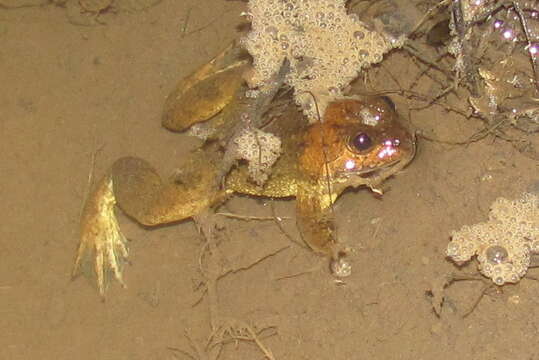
{"x": 377, "y": 171}
{"x": 374, "y": 176}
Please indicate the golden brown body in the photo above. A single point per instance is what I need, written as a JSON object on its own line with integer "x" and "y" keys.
{"x": 358, "y": 142}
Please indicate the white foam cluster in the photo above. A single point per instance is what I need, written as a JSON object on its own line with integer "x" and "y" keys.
{"x": 261, "y": 150}
{"x": 326, "y": 47}
{"x": 504, "y": 243}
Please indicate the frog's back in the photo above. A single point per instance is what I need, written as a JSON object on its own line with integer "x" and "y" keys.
{"x": 289, "y": 126}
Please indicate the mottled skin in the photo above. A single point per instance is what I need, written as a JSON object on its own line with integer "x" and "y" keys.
{"x": 318, "y": 162}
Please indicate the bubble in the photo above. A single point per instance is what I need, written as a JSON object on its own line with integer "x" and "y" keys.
{"x": 359, "y": 35}
{"x": 534, "y": 49}
{"x": 272, "y": 31}
{"x": 496, "y": 254}
{"x": 499, "y": 281}
{"x": 363, "y": 53}
{"x": 508, "y": 34}
{"x": 452, "y": 249}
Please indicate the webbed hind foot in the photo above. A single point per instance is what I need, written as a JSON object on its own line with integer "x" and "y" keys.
{"x": 136, "y": 188}
{"x": 101, "y": 236}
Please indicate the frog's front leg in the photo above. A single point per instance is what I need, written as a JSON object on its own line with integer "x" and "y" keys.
{"x": 315, "y": 221}
{"x": 139, "y": 191}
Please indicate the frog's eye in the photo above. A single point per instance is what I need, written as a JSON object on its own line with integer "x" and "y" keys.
{"x": 361, "y": 142}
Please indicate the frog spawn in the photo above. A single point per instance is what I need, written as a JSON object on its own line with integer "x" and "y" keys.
{"x": 261, "y": 150}
{"x": 326, "y": 48}
{"x": 504, "y": 243}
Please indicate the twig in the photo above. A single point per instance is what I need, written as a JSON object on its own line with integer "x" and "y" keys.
{"x": 428, "y": 14}
{"x": 421, "y": 97}
{"x": 251, "y": 265}
{"x": 478, "y": 300}
{"x": 301, "y": 273}
{"x": 249, "y": 218}
{"x": 462, "y": 28}
{"x": 479, "y": 135}
{"x": 437, "y": 97}
{"x": 414, "y": 52}
{"x": 280, "y": 226}
{"x": 203, "y": 27}
{"x": 524, "y": 24}
{"x": 259, "y": 343}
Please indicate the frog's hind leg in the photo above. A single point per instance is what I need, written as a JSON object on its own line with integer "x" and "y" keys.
{"x": 139, "y": 191}
{"x": 207, "y": 91}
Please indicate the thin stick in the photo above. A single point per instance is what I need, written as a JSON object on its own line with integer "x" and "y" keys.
{"x": 479, "y": 135}
{"x": 414, "y": 52}
{"x": 251, "y": 265}
{"x": 528, "y": 37}
{"x": 437, "y": 97}
{"x": 298, "y": 274}
{"x": 267, "y": 352}
{"x": 280, "y": 226}
{"x": 428, "y": 14}
{"x": 478, "y": 300}
{"x": 249, "y": 218}
{"x": 421, "y": 97}
{"x": 207, "y": 25}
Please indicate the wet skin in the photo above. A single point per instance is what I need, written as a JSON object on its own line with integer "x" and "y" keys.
{"x": 358, "y": 142}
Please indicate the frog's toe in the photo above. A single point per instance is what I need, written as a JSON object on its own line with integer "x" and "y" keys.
{"x": 101, "y": 237}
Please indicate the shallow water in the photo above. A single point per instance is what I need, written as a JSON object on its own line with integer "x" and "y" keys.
{"x": 75, "y": 98}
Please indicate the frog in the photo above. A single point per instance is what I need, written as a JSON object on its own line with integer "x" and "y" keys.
{"x": 358, "y": 141}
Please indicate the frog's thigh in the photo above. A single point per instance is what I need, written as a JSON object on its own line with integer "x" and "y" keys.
{"x": 141, "y": 193}
{"x": 204, "y": 93}
{"x": 316, "y": 225}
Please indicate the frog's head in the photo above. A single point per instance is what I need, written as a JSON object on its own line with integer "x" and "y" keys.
{"x": 359, "y": 142}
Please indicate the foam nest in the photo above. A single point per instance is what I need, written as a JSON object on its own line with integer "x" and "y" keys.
{"x": 503, "y": 244}
{"x": 325, "y": 46}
